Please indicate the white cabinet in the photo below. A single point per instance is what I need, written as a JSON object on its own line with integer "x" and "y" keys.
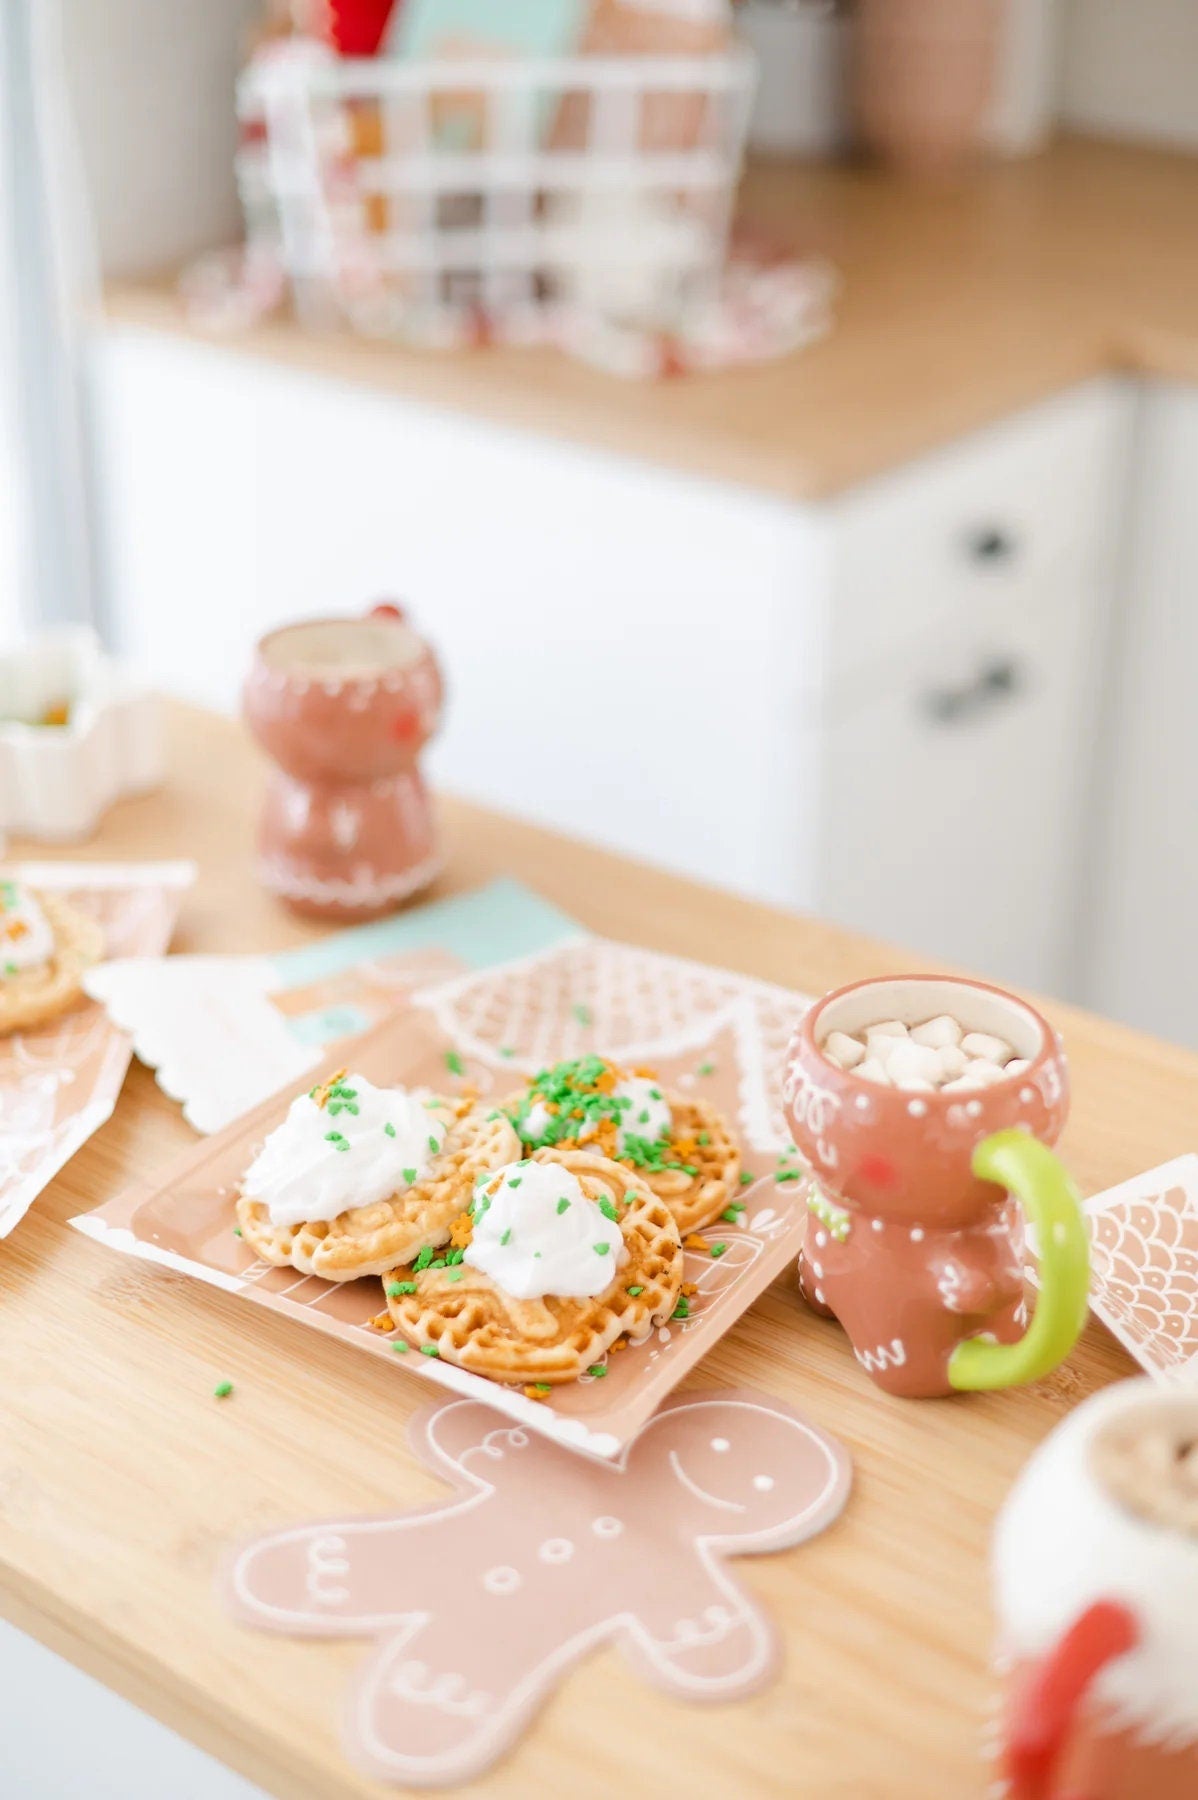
{"x": 878, "y": 708}
{"x": 971, "y": 605}
{"x": 1146, "y": 889}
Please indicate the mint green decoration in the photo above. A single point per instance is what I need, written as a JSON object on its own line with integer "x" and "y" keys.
{"x": 1039, "y": 1181}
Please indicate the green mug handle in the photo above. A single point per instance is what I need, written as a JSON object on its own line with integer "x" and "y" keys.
{"x": 1038, "y": 1180}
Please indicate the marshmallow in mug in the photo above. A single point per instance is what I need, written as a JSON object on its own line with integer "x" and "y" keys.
{"x": 940, "y": 1053}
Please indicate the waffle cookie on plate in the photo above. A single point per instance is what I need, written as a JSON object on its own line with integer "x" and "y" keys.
{"x": 46, "y": 946}
{"x": 563, "y": 1253}
{"x": 359, "y": 1178}
{"x": 683, "y": 1149}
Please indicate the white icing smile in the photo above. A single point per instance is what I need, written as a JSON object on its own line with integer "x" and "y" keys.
{"x": 26, "y": 935}
{"x": 537, "y": 1233}
{"x": 365, "y": 1144}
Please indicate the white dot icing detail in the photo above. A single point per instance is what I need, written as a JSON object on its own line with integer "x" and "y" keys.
{"x": 720, "y": 1444}
{"x": 606, "y": 1526}
{"x": 763, "y": 1483}
{"x": 974, "y": 1109}
{"x": 556, "y": 1550}
{"x": 917, "y": 1108}
{"x": 917, "y": 1234}
{"x": 1027, "y": 1095}
{"x": 501, "y": 1580}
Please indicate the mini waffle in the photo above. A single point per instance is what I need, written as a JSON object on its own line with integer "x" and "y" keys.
{"x": 469, "y": 1320}
{"x": 36, "y": 995}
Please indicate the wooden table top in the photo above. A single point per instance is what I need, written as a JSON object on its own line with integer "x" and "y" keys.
{"x": 961, "y": 301}
{"x": 121, "y": 1477}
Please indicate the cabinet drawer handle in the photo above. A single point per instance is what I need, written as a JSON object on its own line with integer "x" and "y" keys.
{"x": 991, "y": 545}
{"x": 994, "y": 683}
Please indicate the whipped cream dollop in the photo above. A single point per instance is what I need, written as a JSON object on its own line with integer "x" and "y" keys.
{"x": 362, "y": 1145}
{"x": 648, "y": 1115}
{"x": 26, "y": 935}
{"x": 537, "y": 1233}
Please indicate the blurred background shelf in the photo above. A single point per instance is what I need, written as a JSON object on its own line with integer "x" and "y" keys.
{"x": 958, "y": 303}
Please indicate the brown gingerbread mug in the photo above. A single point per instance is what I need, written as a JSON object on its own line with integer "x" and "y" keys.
{"x": 915, "y": 1240}
{"x": 343, "y": 707}
{"x": 1096, "y": 1591}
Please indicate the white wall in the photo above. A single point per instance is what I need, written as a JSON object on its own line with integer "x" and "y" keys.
{"x": 1130, "y": 69}
{"x": 152, "y": 88}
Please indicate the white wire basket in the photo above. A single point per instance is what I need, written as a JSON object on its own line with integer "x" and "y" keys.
{"x": 405, "y": 197}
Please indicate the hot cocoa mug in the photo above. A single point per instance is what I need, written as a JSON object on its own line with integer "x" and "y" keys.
{"x": 343, "y": 707}
{"x": 915, "y": 1242}
{"x": 1096, "y": 1593}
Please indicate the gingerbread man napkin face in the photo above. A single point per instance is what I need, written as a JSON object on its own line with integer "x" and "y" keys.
{"x": 480, "y": 1603}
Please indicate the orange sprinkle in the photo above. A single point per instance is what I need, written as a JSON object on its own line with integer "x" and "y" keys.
{"x": 621, "y": 1343}
{"x": 461, "y": 1231}
{"x": 689, "y": 1288}
{"x": 532, "y": 1393}
{"x": 382, "y": 1322}
{"x": 18, "y": 929}
{"x": 577, "y": 1113}
{"x": 321, "y": 1094}
{"x": 684, "y": 1147}
{"x": 646, "y": 1074}
{"x": 567, "y": 1144}
{"x": 695, "y": 1242}
{"x": 606, "y": 1082}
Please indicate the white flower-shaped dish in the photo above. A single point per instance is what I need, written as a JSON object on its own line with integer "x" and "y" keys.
{"x": 57, "y": 780}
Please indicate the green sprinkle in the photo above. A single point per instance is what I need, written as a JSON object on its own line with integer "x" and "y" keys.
{"x": 515, "y": 1181}
{"x": 732, "y": 1214}
{"x": 563, "y": 1205}
{"x": 629, "y": 1197}
{"x": 634, "y": 1291}
{"x": 506, "y": 1238}
{"x": 582, "y": 1014}
{"x": 454, "y": 1256}
{"x": 601, "y": 1249}
{"x": 642, "y": 1118}
{"x": 335, "y": 1138}
{"x": 703, "y": 1138}
{"x": 542, "y": 1387}
{"x": 683, "y": 1308}
{"x": 433, "y": 1145}
{"x": 399, "y": 1346}
{"x": 10, "y": 968}
{"x": 608, "y": 1210}
{"x": 409, "y": 1176}
{"x": 598, "y": 1370}
{"x": 453, "y": 1062}
{"x": 536, "y": 1252}
{"x": 655, "y": 1093}
{"x": 789, "y": 1175}
{"x": 491, "y": 1116}
{"x": 223, "y": 1389}
{"x": 389, "y": 1128}
{"x": 718, "y": 1249}
{"x": 506, "y": 1050}
{"x": 423, "y": 1259}
{"x": 429, "y": 1350}
{"x": 705, "y": 1068}
{"x": 438, "y": 1262}
{"x": 745, "y": 1178}
{"x": 454, "y": 1274}
{"x": 237, "y": 1231}
{"x": 396, "y": 1288}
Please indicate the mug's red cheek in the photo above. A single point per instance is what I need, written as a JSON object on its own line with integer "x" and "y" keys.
{"x": 878, "y": 1170}
{"x": 406, "y": 728}
{"x": 386, "y": 609}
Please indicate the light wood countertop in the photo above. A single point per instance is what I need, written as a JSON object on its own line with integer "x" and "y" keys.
{"x": 121, "y": 1479}
{"x": 961, "y": 302}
